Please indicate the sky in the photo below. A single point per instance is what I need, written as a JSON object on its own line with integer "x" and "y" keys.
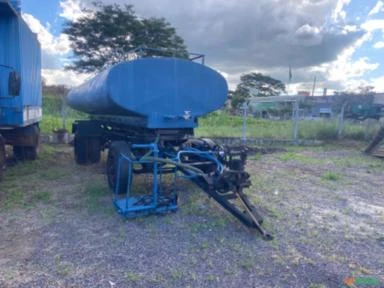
{"x": 340, "y": 42}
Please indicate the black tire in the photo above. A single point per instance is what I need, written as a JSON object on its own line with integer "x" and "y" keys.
{"x": 25, "y": 153}
{"x": 114, "y": 152}
{"x": 28, "y": 153}
{"x": 2, "y": 156}
{"x": 87, "y": 150}
{"x": 18, "y": 153}
{"x": 80, "y": 150}
{"x": 94, "y": 152}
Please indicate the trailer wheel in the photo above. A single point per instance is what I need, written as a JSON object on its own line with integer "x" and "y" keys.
{"x": 28, "y": 153}
{"x": 25, "y": 153}
{"x": 94, "y": 153}
{"x": 2, "y": 156}
{"x": 87, "y": 150}
{"x": 80, "y": 150}
{"x": 114, "y": 152}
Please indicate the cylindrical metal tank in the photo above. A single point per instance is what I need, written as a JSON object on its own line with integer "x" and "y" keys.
{"x": 16, "y": 5}
{"x": 167, "y": 92}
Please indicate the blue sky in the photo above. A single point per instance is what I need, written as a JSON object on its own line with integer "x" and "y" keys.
{"x": 341, "y": 42}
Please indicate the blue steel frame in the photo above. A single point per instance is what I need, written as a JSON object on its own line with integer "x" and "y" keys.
{"x": 134, "y": 206}
{"x": 128, "y": 205}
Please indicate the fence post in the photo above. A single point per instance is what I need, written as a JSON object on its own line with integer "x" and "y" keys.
{"x": 340, "y": 126}
{"x": 244, "y": 109}
{"x": 295, "y": 121}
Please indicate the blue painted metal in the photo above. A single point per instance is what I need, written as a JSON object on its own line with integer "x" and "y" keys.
{"x": 133, "y": 206}
{"x": 16, "y": 5}
{"x": 20, "y": 53}
{"x": 166, "y": 92}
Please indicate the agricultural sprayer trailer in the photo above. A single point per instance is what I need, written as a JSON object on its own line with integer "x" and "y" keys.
{"x": 144, "y": 112}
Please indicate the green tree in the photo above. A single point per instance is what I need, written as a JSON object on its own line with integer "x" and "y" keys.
{"x": 255, "y": 85}
{"x": 239, "y": 96}
{"x": 260, "y": 85}
{"x": 106, "y": 35}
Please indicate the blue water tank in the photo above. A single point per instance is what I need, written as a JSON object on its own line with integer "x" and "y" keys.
{"x": 16, "y": 5}
{"x": 164, "y": 92}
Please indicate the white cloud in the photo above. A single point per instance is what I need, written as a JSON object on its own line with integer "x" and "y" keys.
{"x": 339, "y": 13}
{"x": 379, "y": 45}
{"x": 63, "y": 77}
{"x": 72, "y": 9}
{"x": 350, "y": 28}
{"x": 344, "y": 69}
{"x": 377, "y": 8}
{"x": 308, "y": 35}
{"x": 378, "y": 83}
{"x": 372, "y": 25}
{"x": 49, "y": 43}
{"x": 55, "y": 50}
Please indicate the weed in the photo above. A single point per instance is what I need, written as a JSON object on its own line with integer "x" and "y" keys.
{"x": 13, "y": 197}
{"x": 42, "y": 196}
{"x": 210, "y": 277}
{"x": 247, "y": 264}
{"x": 221, "y": 124}
{"x": 177, "y": 274}
{"x": 331, "y": 176}
{"x": 132, "y": 276}
{"x": 317, "y": 285}
{"x": 63, "y": 268}
{"x": 94, "y": 192}
{"x": 291, "y": 156}
{"x": 204, "y": 245}
{"x": 255, "y": 157}
{"x": 53, "y": 174}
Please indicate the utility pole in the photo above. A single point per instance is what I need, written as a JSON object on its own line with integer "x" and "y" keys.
{"x": 314, "y": 86}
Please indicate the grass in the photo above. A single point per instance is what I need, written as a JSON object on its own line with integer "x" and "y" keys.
{"x": 24, "y": 184}
{"x": 132, "y": 277}
{"x": 219, "y": 124}
{"x": 41, "y": 196}
{"x": 54, "y": 113}
{"x": 331, "y": 176}
{"x": 94, "y": 193}
{"x": 297, "y": 157}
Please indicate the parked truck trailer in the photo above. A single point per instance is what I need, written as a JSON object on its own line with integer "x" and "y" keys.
{"x": 20, "y": 84}
{"x": 144, "y": 112}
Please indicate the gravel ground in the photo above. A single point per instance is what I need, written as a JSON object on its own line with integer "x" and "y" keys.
{"x": 325, "y": 207}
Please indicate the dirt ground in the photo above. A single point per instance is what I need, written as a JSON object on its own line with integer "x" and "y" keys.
{"x": 324, "y": 206}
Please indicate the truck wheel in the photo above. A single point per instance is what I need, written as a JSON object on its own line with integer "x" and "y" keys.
{"x": 28, "y": 153}
{"x": 25, "y": 153}
{"x": 2, "y": 156}
{"x": 87, "y": 150}
{"x": 114, "y": 152}
{"x": 94, "y": 153}
{"x": 80, "y": 150}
